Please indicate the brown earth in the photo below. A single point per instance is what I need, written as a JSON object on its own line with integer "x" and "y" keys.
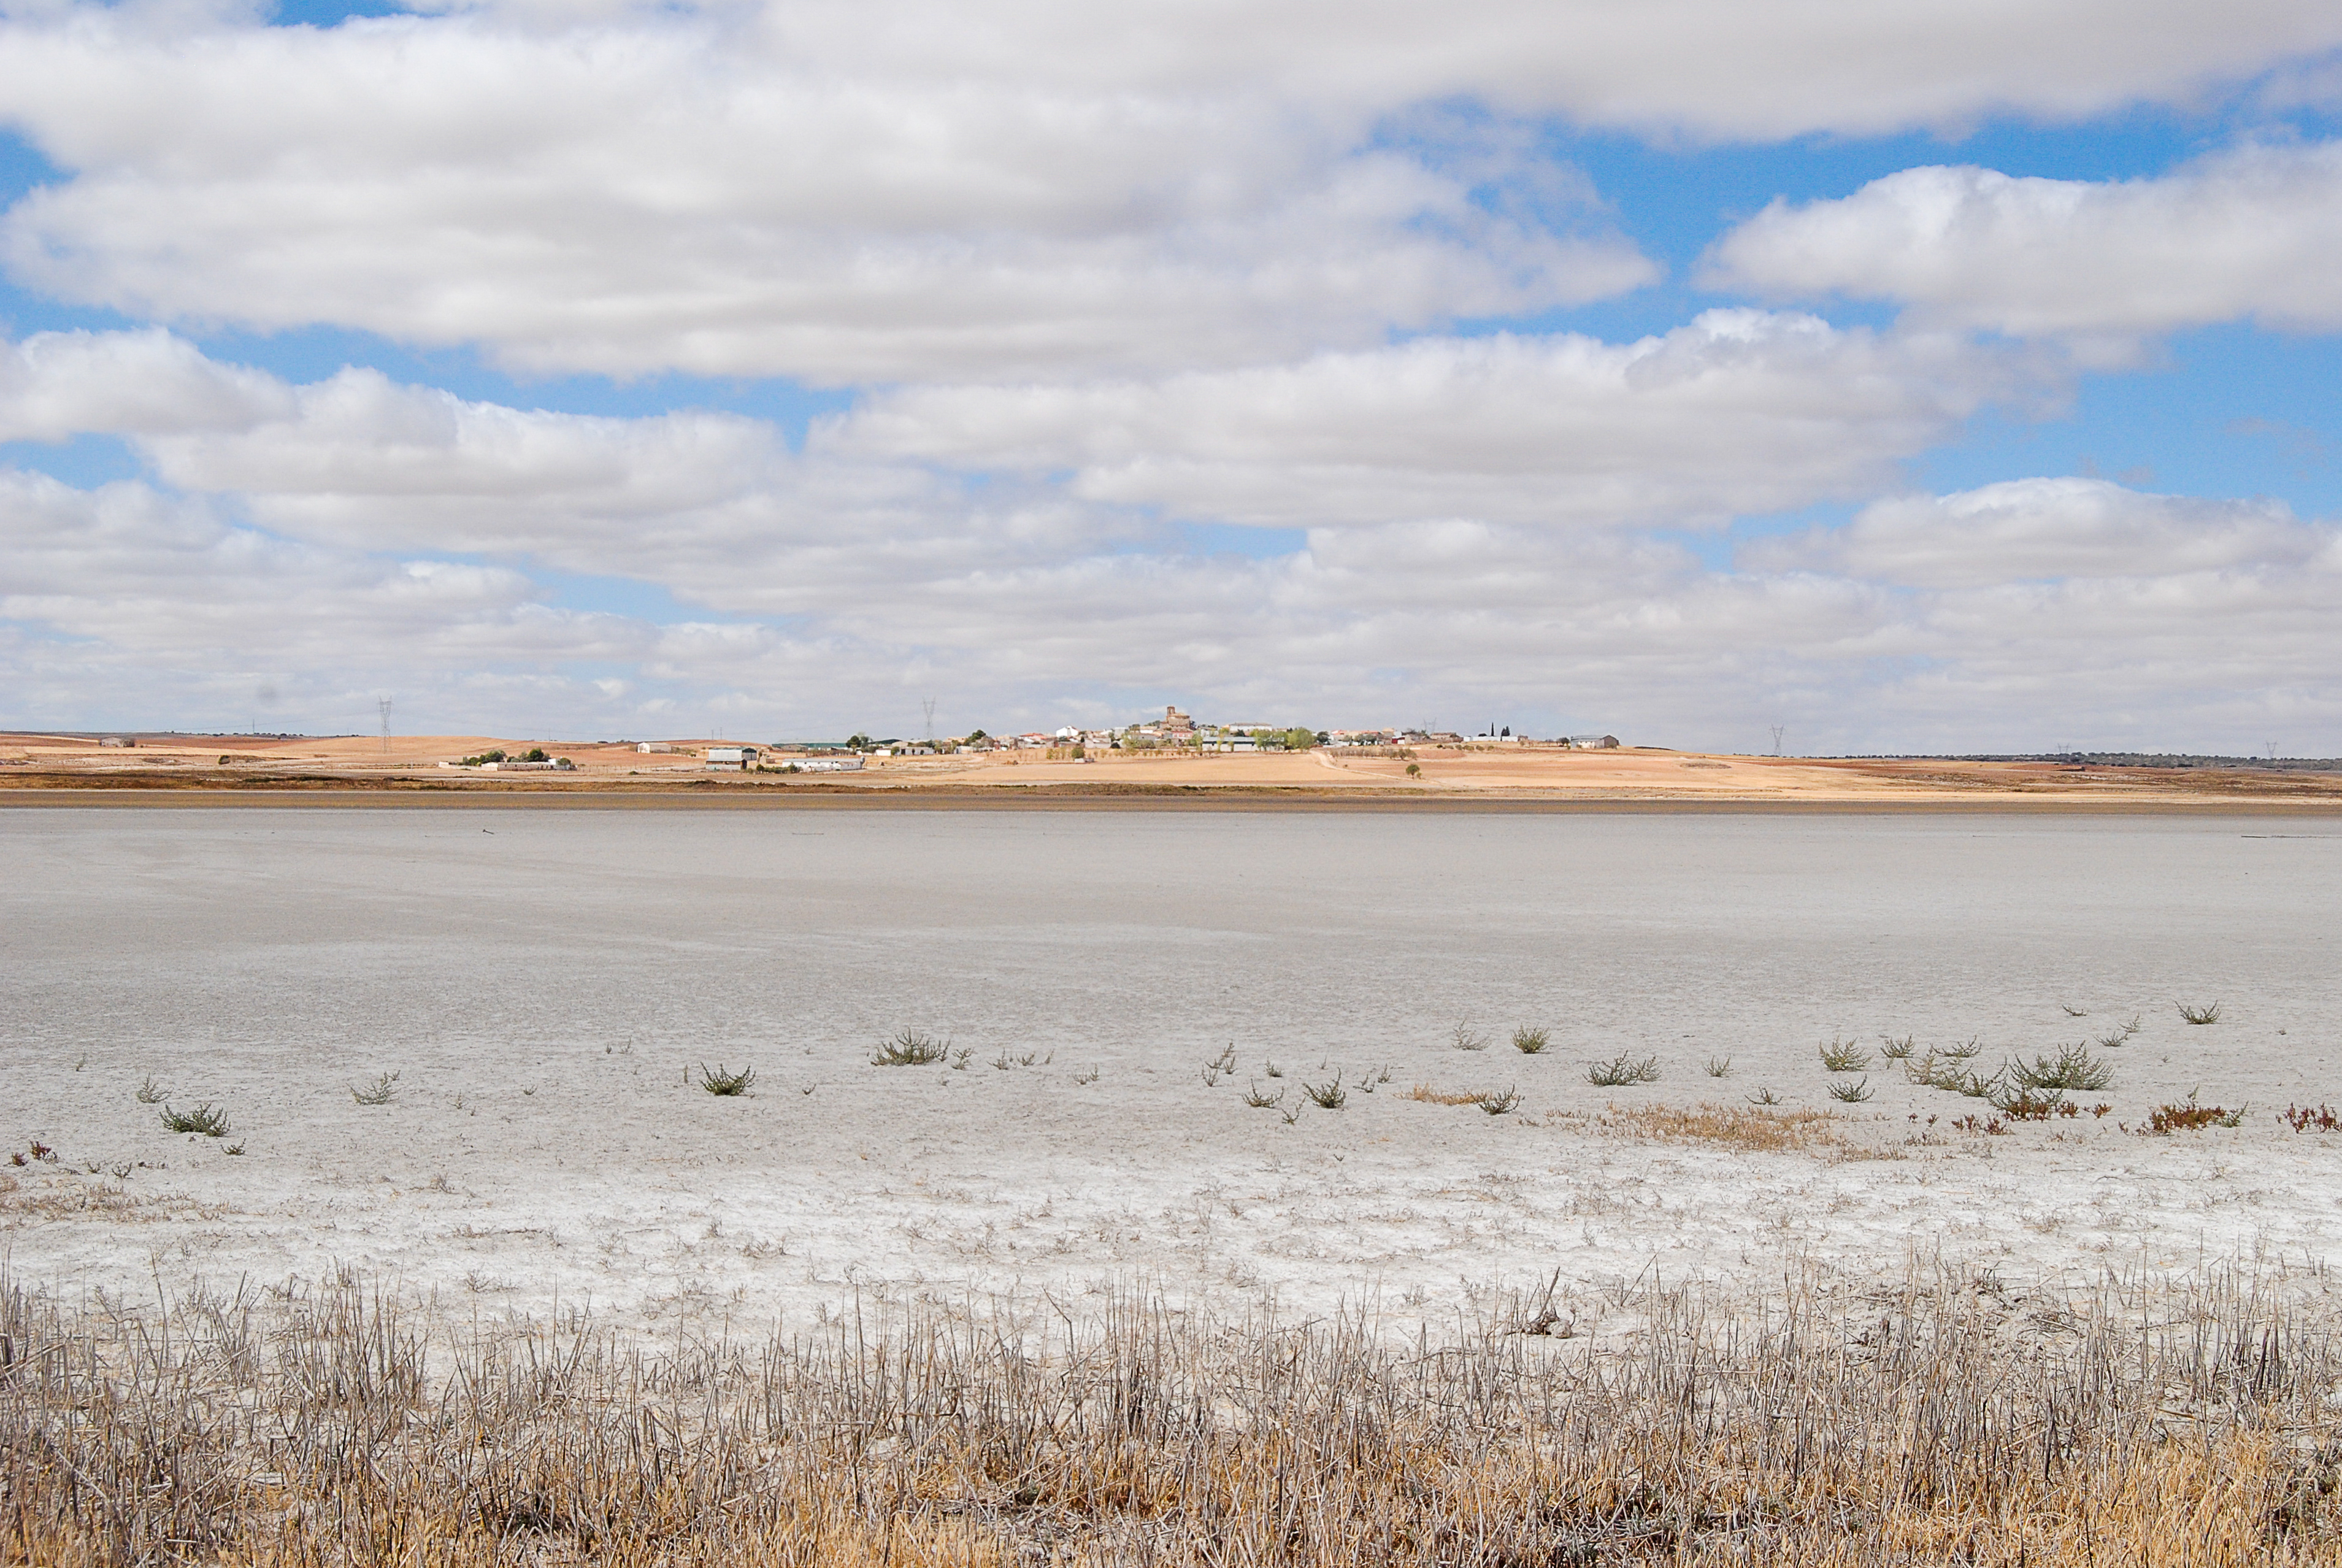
{"x": 37, "y": 768}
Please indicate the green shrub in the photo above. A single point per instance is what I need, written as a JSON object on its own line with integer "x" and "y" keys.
{"x": 206, "y": 1119}
{"x": 1845, "y": 1056}
{"x": 720, "y": 1081}
{"x": 909, "y": 1048}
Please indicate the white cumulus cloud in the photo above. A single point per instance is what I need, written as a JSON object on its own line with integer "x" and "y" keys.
{"x": 2027, "y": 529}
{"x": 57, "y": 385}
{"x": 2250, "y": 233}
{"x": 1737, "y": 411}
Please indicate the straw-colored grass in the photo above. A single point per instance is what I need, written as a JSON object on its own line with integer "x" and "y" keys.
{"x": 1744, "y": 1127}
{"x": 1942, "y": 1421}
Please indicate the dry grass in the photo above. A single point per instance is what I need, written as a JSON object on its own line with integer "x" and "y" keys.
{"x": 1431, "y": 1097}
{"x": 1743, "y": 1127}
{"x": 1943, "y": 1421}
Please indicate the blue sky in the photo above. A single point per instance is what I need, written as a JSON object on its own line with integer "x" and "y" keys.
{"x": 1667, "y": 392}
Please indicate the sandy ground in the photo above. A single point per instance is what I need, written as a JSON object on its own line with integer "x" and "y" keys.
{"x": 1448, "y": 777}
{"x": 545, "y": 988}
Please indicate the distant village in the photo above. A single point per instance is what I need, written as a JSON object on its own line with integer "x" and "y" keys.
{"x": 1175, "y": 732}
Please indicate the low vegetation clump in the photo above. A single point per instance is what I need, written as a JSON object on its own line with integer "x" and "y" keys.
{"x": 909, "y": 1048}
{"x": 1853, "y": 1094}
{"x": 1497, "y": 1104}
{"x": 2026, "y": 1105}
{"x": 2118, "y": 1035}
{"x": 1945, "y": 1420}
{"x": 1719, "y": 1067}
{"x": 1950, "y": 1075}
{"x": 1898, "y": 1049}
{"x": 381, "y": 1092}
{"x": 1327, "y": 1096}
{"x": 150, "y": 1092}
{"x": 1431, "y": 1097}
{"x": 1845, "y": 1056}
{"x": 208, "y": 1119}
{"x": 1622, "y": 1070}
{"x": 2187, "y": 1116}
{"x": 1463, "y": 1037}
{"x": 718, "y": 1081}
{"x": 1751, "y": 1128}
{"x": 2302, "y": 1119}
{"x": 1529, "y": 1041}
{"x": 2073, "y": 1067}
{"x": 2192, "y": 1014}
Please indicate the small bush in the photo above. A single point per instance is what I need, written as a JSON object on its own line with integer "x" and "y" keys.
{"x": 2070, "y": 1010}
{"x": 1895, "y": 1050}
{"x": 1719, "y": 1067}
{"x": 2203, "y": 1015}
{"x": 1528, "y": 1042}
{"x": 2118, "y": 1036}
{"x": 2301, "y": 1120}
{"x": 1622, "y": 1069}
{"x": 720, "y": 1081}
{"x": 1853, "y": 1094}
{"x": 1764, "y": 1097}
{"x": 2025, "y": 1105}
{"x": 1329, "y": 1096}
{"x": 2187, "y": 1116}
{"x": 206, "y": 1119}
{"x": 909, "y": 1048}
{"x": 381, "y": 1092}
{"x": 2072, "y": 1068}
{"x": 1967, "y": 1050}
{"x": 151, "y": 1093}
{"x": 1845, "y": 1056}
{"x": 1260, "y": 1102}
{"x": 1463, "y": 1037}
{"x": 1498, "y": 1104}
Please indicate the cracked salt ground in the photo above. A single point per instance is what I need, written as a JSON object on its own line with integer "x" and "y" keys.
{"x": 548, "y": 993}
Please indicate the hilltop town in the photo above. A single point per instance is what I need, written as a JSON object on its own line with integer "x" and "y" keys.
{"x": 1174, "y": 732}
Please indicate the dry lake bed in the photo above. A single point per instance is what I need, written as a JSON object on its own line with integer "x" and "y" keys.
{"x": 537, "y": 995}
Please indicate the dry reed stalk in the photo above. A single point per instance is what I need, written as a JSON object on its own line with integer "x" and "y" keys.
{"x": 1746, "y": 1127}
{"x": 1941, "y": 1420}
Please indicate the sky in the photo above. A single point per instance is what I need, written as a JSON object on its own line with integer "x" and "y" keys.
{"x": 1954, "y": 377}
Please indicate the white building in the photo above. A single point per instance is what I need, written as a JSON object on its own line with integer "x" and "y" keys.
{"x": 731, "y": 759}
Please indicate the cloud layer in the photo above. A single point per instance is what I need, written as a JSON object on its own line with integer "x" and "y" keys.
{"x": 963, "y": 193}
{"x": 1197, "y": 351}
{"x": 351, "y": 528}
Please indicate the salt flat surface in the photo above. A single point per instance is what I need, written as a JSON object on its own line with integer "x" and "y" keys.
{"x": 542, "y": 983}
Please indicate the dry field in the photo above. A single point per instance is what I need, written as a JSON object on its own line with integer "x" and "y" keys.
{"x": 1448, "y": 776}
{"x": 1940, "y": 1417}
